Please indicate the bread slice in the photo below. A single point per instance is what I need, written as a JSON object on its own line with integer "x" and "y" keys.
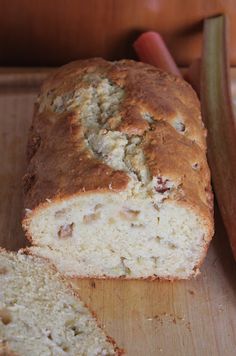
{"x": 118, "y": 183}
{"x": 41, "y": 315}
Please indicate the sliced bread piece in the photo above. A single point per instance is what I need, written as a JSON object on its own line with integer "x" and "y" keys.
{"x": 41, "y": 315}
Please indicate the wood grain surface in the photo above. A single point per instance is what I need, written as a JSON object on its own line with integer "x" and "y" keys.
{"x": 192, "y": 318}
{"x": 42, "y": 32}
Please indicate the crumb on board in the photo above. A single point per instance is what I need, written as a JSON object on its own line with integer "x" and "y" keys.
{"x": 93, "y": 284}
{"x": 170, "y": 318}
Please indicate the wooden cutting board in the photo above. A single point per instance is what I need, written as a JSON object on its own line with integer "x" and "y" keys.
{"x": 192, "y": 318}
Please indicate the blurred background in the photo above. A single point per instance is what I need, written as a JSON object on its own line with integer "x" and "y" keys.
{"x": 53, "y": 32}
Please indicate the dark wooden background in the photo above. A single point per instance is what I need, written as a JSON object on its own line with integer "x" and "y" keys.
{"x": 52, "y": 32}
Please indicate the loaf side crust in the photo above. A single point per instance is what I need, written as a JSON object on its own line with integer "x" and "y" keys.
{"x": 167, "y": 152}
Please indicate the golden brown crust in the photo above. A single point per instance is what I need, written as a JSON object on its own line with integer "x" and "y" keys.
{"x": 62, "y": 166}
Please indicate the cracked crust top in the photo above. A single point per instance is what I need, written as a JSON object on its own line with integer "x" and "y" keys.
{"x": 98, "y": 125}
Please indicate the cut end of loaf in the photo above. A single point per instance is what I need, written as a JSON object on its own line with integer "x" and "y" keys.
{"x": 116, "y": 235}
{"x": 40, "y": 315}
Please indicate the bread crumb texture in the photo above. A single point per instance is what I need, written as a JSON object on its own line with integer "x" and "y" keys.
{"x": 40, "y": 315}
{"x": 117, "y": 173}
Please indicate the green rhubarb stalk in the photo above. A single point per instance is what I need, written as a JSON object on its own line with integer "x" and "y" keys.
{"x": 218, "y": 116}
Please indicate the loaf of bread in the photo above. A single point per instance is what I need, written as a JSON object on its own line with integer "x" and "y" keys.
{"x": 41, "y": 315}
{"x": 118, "y": 183}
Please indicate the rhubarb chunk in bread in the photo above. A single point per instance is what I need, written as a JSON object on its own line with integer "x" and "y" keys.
{"x": 40, "y": 314}
{"x": 118, "y": 183}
